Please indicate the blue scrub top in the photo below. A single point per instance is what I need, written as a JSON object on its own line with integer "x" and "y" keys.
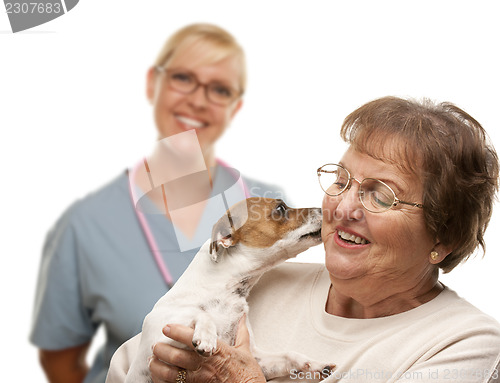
{"x": 97, "y": 268}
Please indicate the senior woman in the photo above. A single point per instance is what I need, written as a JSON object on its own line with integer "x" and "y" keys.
{"x": 412, "y": 194}
{"x": 105, "y": 263}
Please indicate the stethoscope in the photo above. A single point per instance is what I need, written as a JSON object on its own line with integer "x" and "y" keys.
{"x": 146, "y": 229}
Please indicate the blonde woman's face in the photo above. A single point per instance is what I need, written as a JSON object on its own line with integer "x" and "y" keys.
{"x": 176, "y": 112}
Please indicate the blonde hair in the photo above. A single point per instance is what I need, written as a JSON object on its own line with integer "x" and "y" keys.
{"x": 217, "y": 44}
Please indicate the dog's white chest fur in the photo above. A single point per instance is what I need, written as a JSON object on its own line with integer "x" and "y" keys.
{"x": 205, "y": 293}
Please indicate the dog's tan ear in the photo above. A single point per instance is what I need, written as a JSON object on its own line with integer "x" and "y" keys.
{"x": 222, "y": 237}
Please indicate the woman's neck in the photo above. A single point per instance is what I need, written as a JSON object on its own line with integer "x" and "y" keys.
{"x": 364, "y": 300}
{"x": 210, "y": 163}
{"x": 186, "y": 188}
{"x": 210, "y": 160}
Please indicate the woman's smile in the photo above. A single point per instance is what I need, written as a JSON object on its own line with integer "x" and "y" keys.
{"x": 189, "y": 122}
{"x": 347, "y": 238}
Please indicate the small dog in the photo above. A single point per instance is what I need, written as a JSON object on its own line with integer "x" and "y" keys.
{"x": 254, "y": 235}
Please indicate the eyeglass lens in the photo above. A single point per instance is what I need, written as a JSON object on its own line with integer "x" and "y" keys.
{"x": 374, "y": 194}
{"x": 186, "y": 82}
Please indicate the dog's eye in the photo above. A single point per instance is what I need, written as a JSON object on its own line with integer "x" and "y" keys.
{"x": 281, "y": 209}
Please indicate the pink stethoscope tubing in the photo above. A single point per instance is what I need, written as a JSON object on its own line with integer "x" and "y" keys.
{"x": 148, "y": 234}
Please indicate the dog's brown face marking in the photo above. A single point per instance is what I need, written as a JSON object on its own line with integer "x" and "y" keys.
{"x": 268, "y": 221}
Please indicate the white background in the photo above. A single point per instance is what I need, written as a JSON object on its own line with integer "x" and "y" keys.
{"x": 73, "y": 112}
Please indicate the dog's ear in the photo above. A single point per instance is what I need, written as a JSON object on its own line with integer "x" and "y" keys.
{"x": 222, "y": 237}
{"x": 217, "y": 245}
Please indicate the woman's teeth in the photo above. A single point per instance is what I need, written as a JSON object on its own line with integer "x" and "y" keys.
{"x": 351, "y": 238}
{"x": 188, "y": 121}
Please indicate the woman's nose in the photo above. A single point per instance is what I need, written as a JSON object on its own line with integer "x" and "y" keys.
{"x": 198, "y": 98}
{"x": 346, "y": 206}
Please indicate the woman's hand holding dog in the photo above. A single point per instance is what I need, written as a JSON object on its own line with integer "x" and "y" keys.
{"x": 228, "y": 364}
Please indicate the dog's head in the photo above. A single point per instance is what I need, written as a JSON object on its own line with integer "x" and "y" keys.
{"x": 265, "y": 223}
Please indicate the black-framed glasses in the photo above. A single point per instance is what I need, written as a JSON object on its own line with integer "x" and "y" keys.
{"x": 375, "y": 196}
{"x": 186, "y": 82}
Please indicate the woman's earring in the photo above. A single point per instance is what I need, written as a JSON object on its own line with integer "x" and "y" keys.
{"x": 434, "y": 255}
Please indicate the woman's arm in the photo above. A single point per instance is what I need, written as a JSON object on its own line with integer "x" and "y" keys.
{"x": 65, "y": 366}
{"x": 228, "y": 364}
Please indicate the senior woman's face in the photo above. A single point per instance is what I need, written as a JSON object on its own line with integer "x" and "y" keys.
{"x": 177, "y": 112}
{"x": 396, "y": 244}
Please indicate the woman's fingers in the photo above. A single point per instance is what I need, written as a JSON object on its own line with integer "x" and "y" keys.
{"x": 167, "y": 353}
{"x": 180, "y": 333}
{"x": 161, "y": 372}
{"x": 168, "y": 359}
{"x": 227, "y": 364}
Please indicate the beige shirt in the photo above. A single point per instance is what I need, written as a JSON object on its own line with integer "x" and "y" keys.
{"x": 444, "y": 340}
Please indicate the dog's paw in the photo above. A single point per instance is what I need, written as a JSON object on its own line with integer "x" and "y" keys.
{"x": 204, "y": 342}
{"x": 319, "y": 367}
{"x": 327, "y": 370}
{"x": 317, "y": 370}
{"x": 204, "y": 348}
{"x": 284, "y": 364}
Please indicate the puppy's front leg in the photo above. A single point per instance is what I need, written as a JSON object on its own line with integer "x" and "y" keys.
{"x": 285, "y": 364}
{"x": 205, "y": 334}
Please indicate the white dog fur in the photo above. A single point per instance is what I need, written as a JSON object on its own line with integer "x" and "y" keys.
{"x": 210, "y": 296}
